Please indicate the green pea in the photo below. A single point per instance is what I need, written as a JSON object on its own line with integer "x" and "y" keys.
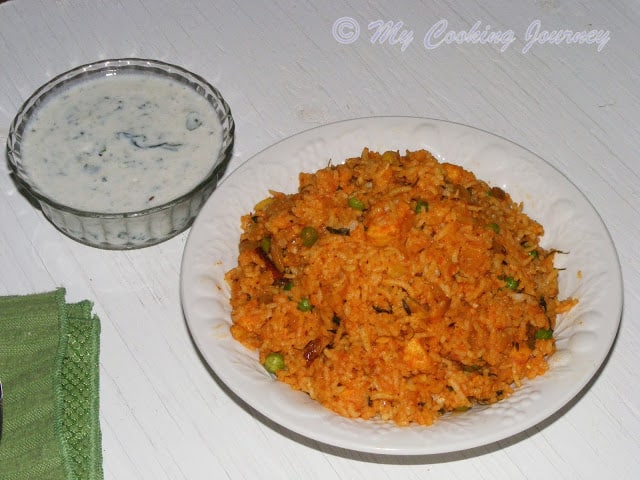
{"x": 309, "y": 236}
{"x": 421, "y": 206}
{"x": 534, "y": 254}
{"x": 511, "y": 283}
{"x": 304, "y": 305}
{"x": 390, "y": 156}
{"x": 495, "y": 227}
{"x": 356, "y": 203}
{"x": 544, "y": 334}
{"x": 274, "y": 362}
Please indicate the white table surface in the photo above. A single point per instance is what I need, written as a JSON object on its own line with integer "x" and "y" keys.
{"x": 282, "y": 70}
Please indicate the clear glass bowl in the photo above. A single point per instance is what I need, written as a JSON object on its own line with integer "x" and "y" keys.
{"x": 126, "y": 230}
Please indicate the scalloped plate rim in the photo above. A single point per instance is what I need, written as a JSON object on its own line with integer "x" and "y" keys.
{"x": 203, "y": 267}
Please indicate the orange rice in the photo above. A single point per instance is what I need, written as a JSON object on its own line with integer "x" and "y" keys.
{"x": 396, "y": 287}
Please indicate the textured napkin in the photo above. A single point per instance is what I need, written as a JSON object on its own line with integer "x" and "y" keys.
{"x": 49, "y": 370}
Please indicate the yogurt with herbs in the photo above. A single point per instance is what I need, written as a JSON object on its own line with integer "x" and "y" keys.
{"x": 121, "y": 143}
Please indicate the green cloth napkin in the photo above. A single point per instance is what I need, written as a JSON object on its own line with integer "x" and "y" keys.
{"x": 49, "y": 371}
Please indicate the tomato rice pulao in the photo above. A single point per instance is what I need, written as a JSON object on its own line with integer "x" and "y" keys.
{"x": 396, "y": 287}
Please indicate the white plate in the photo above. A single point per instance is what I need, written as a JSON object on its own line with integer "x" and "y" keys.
{"x": 584, "y": 335}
